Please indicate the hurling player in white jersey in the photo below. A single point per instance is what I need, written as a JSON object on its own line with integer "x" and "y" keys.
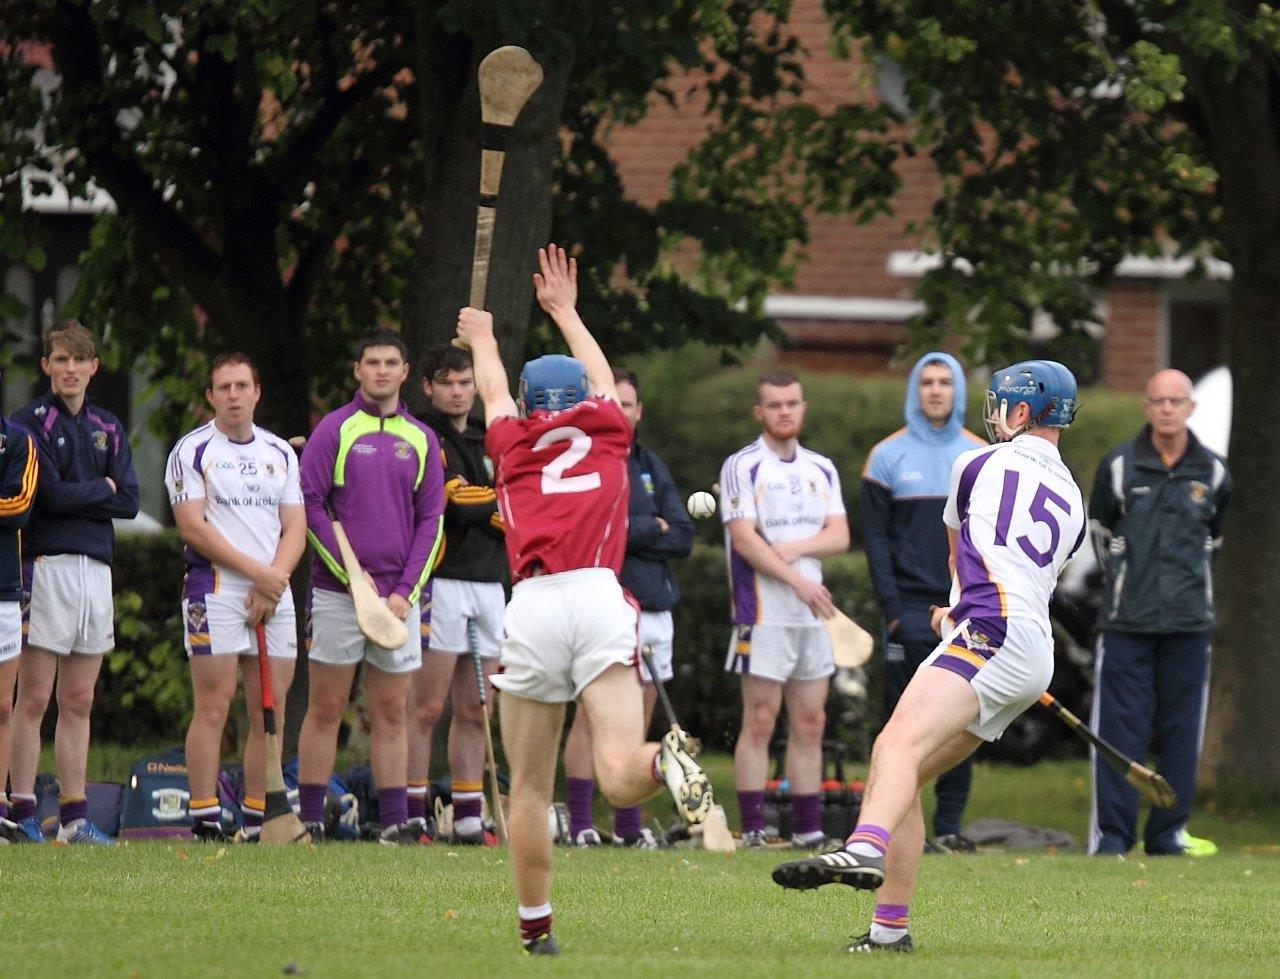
{"x": 783, "y": 513}
{"x": 237, "y": 501}
{"x": 1014, "y": 515}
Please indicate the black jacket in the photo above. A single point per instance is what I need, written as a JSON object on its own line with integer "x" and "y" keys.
{"x": 473, "y": 535}
{"x": 74, "y": 502}
{"x": 653, "y": 494}
{"x": 18, "y": 479}
{"x": 1155, "y": 530}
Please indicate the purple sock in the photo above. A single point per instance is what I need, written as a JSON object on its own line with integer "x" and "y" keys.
{"x": 626, "y": 822}
{"x": 4, "y": 807}
{"x": 751, "y": 810}
{"x": 868, "y": 835}
{"x": 417, "y": 800}
{"x": 807, "y": 810}
{"x": 467, "y": 804}
{"x": 21, "y": 807}
{"x": 393, "y": 806}
{"x": 890, "y": 916}
{"x": 578, "y": 792}
{"x": 69, "y": 810}
{"x": 253, "y": 810}
{"x": 311, "y": 798}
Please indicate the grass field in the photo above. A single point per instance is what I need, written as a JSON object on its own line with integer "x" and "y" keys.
{"x": 153, "y": 909}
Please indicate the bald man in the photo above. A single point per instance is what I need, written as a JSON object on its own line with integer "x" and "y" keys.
{"x": 1156, "y": 512}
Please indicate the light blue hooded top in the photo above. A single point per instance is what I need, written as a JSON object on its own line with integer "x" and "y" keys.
{"x": 904, "y": 489}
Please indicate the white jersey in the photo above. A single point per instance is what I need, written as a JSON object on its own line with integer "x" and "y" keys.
{"x": 243, "y": 486}
{"x": 1020, "y": 516}
{"x": 788, "y": 499}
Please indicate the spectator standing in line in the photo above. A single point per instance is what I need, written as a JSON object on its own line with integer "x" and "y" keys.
{"x": 659, "y": 529}
{"x": 783, "y": 513}
{"x": 904, "y": 490}
{"x": 86, "y": 480}
{"x": 1157, "y": 512}
{"x": 466, "y": 587}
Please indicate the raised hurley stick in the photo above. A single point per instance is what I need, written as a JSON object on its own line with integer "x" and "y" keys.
{"x": 1150, "y": 785}
{"x": 280, "y": 824}
{"x": 508, "y": 76}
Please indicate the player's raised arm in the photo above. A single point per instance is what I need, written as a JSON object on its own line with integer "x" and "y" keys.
{"x": 475, "y": 329}
{"x": 556, "y": 286}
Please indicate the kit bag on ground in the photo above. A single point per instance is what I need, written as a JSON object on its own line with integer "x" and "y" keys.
{"x": 156, "y": 798}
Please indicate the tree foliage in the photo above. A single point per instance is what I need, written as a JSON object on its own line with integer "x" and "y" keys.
{"x": 289, "y": 174}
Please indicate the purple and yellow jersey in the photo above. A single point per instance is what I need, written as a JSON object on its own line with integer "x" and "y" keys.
{"x": 787, "y": 499}
{"x": 382, "y": 477}
{"x": 1019, "y": 515}
{"x": 243, "y": 485}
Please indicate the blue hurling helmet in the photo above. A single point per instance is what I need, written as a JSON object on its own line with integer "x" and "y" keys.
{"x": 1048, "y": 389}
{"x": 552, "y": 383}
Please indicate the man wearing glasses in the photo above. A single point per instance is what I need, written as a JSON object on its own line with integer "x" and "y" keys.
{"x": 1157, "y": 511}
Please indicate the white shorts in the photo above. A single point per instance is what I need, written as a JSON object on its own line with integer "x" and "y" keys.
{"x": 1009, "y": 664}
{"x": 337, "y": 640}
{"x": 564, "y": 630}
{"x": 657, "y": 631}
{"x": 217, "y": 625}
{"x": 780, "y": 652}
{"x": 10, "y": 630}
{"x": 71, "y": 609}
{"x": 453, "y": 601}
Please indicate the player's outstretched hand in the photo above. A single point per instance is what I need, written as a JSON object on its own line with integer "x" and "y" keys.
{"x": 556, "y": 281}
{"x": 474, "y": 325}
{"x": 816, "y": 596}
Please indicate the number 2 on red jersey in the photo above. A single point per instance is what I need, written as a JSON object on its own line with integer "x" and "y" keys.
{"x": 554, "y": 479}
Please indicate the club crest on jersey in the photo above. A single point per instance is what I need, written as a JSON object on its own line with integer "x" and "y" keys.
{"x": 647, "y": 480}
{"x": 100, "y": 441}
{"x": 813, "y": 487}
{"x": 1198, "y": 492}
{"x": 403, "y": 450}
{"x": 271, "y": 468}
{"x": 41, "y": 411}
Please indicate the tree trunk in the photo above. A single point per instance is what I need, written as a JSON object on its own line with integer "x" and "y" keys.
{"x": 1243, "y": 720}
{"x": 442, "y": 277}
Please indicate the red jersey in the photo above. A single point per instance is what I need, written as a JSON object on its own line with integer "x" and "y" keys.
{"x": 561, "y": 480}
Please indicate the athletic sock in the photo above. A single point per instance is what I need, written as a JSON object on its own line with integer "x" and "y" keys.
{"x": 205, "y": 810}
{"x": 578, "y": 793}
{"x": 393, "y": 806}
{"x": 534, "y": 922}
{"x": 888, "y": 923}
{"x": 253, "y": 810}
{"x": 626, "y": 822}
{"x": 751, "y": 810}
{"x": 468, "y": 804}
{"x": 416, "y": 792}
{"x": 311, "y": 798}
{"x": 71, "y": 809}
{"x": 21, "y": 806}
{"x": 807, "y": 811}
{"x": 4, "y": 807}
{"x": 868, "y": 840}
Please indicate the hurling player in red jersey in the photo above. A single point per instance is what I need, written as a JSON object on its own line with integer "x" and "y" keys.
{"x": 570, "y": 629}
